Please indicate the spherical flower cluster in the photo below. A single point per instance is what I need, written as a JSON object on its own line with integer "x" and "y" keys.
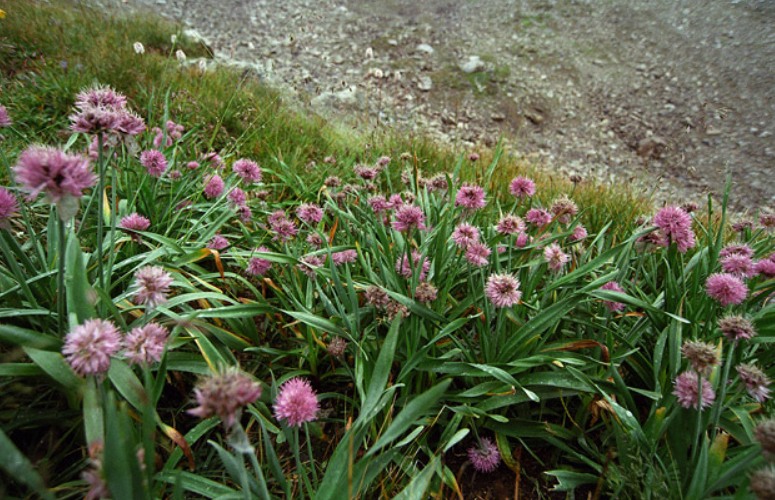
{"x": 756, "y": 381}
{"x": 538, "y": 217}
{"x": 686, "y": 390}
{"x": 89, "y": 347}
{"x": 503, "y": 290}
{"x": 145, "y": 344}
{"x": 614, "y": 287}
{"x": 470, "y": 197}
{"x": 224, "y": 395}
{"x": 395, "y": 309}
{"x": 579, "y": 233}
{"x": 248, "y": 171}
{"x": 59, "y": 175}
{"x": 765, "y": 434}
{"x": 154, "y": 162}
{"x": 510, "y": 224}
{"x": 309, "y": 213}
{"x": 438, "y": 183}
{"x": 676, "y": 227}
{"x": 485, "y": 457}
{"x": 409, "y": 217}
{"x": 767, "y": 219}
{"x": 762, "y": 483}
{"x": 376, "y": 296}
{"x": 366, "y": 173}
{"x": 315, "y": 240}
{"x": 564, "y": 209}
{"x": 736, "y": 328}
{"x": 134, "y": 222}
{"x": 296, "y": 402}
{"x": 473, "y": 157}
{"x": 465, "y": 234}
{"x": 218, "y": 242}
{"x": 379, "y": 204}
{"x": 214, "y": 159}
{"x": 336, "y": 347}
{"x": 726, "y": 288}
{"x": 5, "y": 120}
{"x": 8, "y": 207}
{"x": 555, "y": 257}
{"x": 101, "y": 109}
{"x": 477, "y": 254}
{"x": 344, "y": 257}
{"x": 309, "y": 264}
{"x": 152, "y": 286}
{"x": 258, "y": 266}
{"x": 521, "y": 187}
{"x": 332, "y": 181}
{"x": 766, "y": 267}
{"x": 405, "y": 269}
{"x": 237, "y": 198}
{"x": 739, "y": 265}
{"x": 736, "y": 250}
{"x": 214, "y": 187}
{"x": 701, "y": 355}
{"x": 425, "y": 292}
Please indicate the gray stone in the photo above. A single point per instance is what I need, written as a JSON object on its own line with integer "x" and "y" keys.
{"x": 472, "y": 65}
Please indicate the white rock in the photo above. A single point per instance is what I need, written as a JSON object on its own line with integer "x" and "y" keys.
{"x": 425, "y": 48}
{"x": 472, "y": 65}
{"x": 425, "y": 83}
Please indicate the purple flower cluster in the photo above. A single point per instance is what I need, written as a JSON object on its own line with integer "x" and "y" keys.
{"x": 248, "y": 171}
{"x": 409, "y": 217}
{"x": 726, "y": 289}
{"x": 485, "y": 457}
{"x": 102, "y": 109}
{"x": 8, "y": 207}
{"x": 614, "y": 287}
{"x": 213, "y": 187}
{"x": 687, "y": 389}
{"x": 405, "y": 269}
{"x": 675, "y": 226}
{"x": 258, "y": 266}
{"x": 521, "y": 187}
{"x": 154, "y": 162}
{"x": 152, "y": 286}
{"x": 309, "y": 213}
{"x": 224, "y": 395}
{"x": 470, "y": 197}
{"x": 5, "y": 120}
{"x": 90, "y": 346}
{"x": 56, "y": 174}
{"x": 503, "y": 290}
{"x": 296, "y": 402}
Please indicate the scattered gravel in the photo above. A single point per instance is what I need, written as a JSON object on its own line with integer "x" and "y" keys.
{"x": 666, "y": 94}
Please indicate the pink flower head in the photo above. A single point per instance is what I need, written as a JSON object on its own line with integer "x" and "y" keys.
{"x": 366, "y": 173}
{"x": 57, "y": 174}
{"x": 129, "y": 123}
{"x": 521, "y": 187}
{"x": 579, "y": 233}
{"x": 336, "y": 347}
{"x": 739, "y": 265}
{"x": 258, "y": 266}
{"x": 309, "y": 213}
{"x": 409, "y": 217}
{"x": 214, "y": 159}
{"x": 192, "y": 165}
{"x": 702, "y": 356}
{"x": 135, "y": 222}
{"x": 555, "y": 257}
{"x": 296, "y": 402}
{"x": 218, "y": 242}
{"x": 470, "y": 197}
{"x": 438, "y": 183}
{"x": 473, "y": 157}
{"x": 376, "y": 296}
{"x": 344, "y": 257}
{"x": 676, "y": 226}
{"x": 379, "y": 204}
{"x": 174, "y": 130}
{"x": 614, "y": 287}
{"x": 765, "y": 267}
{"x": 332, "y": 181}
{"x": 159, "y": 138}
{"x": 726, "y": 288}
{"x": 404, "y": 269}
{"x": 686, "y": 390}
{"x": 756, "y": 381}
{"x": 465, "y": 234}
{"x": 5, "y": 120}
{"x": 425, "y": 292}
{"x": 396, "y": 201}
{"x": 284, "y": 229}
{"x": 736, "y": 250}
{"x": 510, "y": 224}
{"x": 736, "y": 328}
{"x": 522, "y": 240}
{"x": 538, "y": 217}
{"x": 245, "y": 214}
{"x": 8, "y": 207}
{"x": 214, "y": 187}
{"x": 485, "y": 457}
{"x": 315, "y": 240}
{"x": 152, "y": 285}
{"x": 89, "y": 346}
{"x": 224, "y": 394}
{"x": 477, "y": 254}
{"x": 154, "y": 162}
{"x": 100, "y": 96}
{"x": 383, "y": 161}
{"x": 237, "y": 197}
{"x": 503, "y": 290}
{"x": 248, "y": 171}
{"x": 767, "y": 219}
{"x": 144, "y": 345}
{"x": 564, "y": 209}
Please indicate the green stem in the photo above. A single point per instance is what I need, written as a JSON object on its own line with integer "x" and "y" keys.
{"x": 309, "y": 452}
{"x": 723, "y": 388}
{"x": 100, "y": 208}
{"x": 61, "y": 306}
{"x": 698, "y": 425}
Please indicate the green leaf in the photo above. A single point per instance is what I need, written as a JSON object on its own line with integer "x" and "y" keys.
{"x": 122, "y": 469}
{"x": 18, "y": 467}
{"x": 569, "y": 480}
{"x": 29, "y": 338}
{"x": 195, "y": 483}
{"x": 379, "y": 376}
{"x": 417, "y": 487}
{"x": 56, "y": 367}
{"x": 76, "y": 282}
{"x": 127, "y": 383}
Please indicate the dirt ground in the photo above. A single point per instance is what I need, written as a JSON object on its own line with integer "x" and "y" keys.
{"x": 669, "y": 95}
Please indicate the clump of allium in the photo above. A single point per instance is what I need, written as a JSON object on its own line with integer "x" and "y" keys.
{"x": 214, "y": 187}
{"x": 425, "y": 292}
{"x": 538, "y": 217}
{"x": 309, "y": 213}
{"x": 762, "y": 483}
{"x": 395, "y": 309}
{"x": 134, "y": 222}
{"x": 765, "y": 267}
{"x": 767, "y": 219}
{"x": 99, "y": 109}
{"x": 736, "y": 328}
{"x": 676, "y": 227}
{"x": 438, "y": 183}
{"x": 344, "y": 257}
{"x": 465, "y": 234}
{"x": 310, "y": 263}
{"x": 5, "y": 120}
{"x": 756, "y": 381}
{"x": 237, "y": 198}
{"x": 522, "y": 240}
{"x": 376, "y": 296}
{"x": 8, "y": 207}
{"x": 564, "y": 209}
{"x": 332, "y": 181}
{"x": 379, "y": 204}
{"x": 283, "y": 228}
{"x": 218, "y": 242}
{"x": 315, "y": 240}
{"x": 742, "y": 226}
{"x": 154, "y": 162}
{"x": 614, "y": 287}
{"x": 405, "y": 269}
{"x": 726, "y": 288}
{"x": 152, "y": 286}
{"x": 473, "y": 157}
{"x": 89, "y": 347}
{"x": 192, "y": 165}
{"x": 503, "y": 290}
{"x": 215, "y": 160}
{"x": 765, "y": 434}
{"x": 485, "y": 457}
{"x": 296, "y": 402}
{"x": 477, "y": 254}
{"x": 686, "y": 390}
{"x": 521, "y": 187}
{"x": 701, "y": 355}
{"x": 510, "y": 224}
{"x": 579, "y": 233}
{"x": 224, "y": 394}
{"x": 739, "y": 265}
{"x": 247, "y": 170}
{"x": 336, "y": 347}
{"x": 258, "y": 266}
{"x": 736, "y": 250}
{"x": 366, "y": 173}
{"x": 555, "y": 257}
{"x": 409, "y": 217}
{"x": 145, "y": 344}
{"x": 470, "y": 197}
{"x": 60, "y": 176}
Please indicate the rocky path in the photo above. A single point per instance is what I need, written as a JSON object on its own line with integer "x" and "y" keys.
{"x": 667, "y": 94}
